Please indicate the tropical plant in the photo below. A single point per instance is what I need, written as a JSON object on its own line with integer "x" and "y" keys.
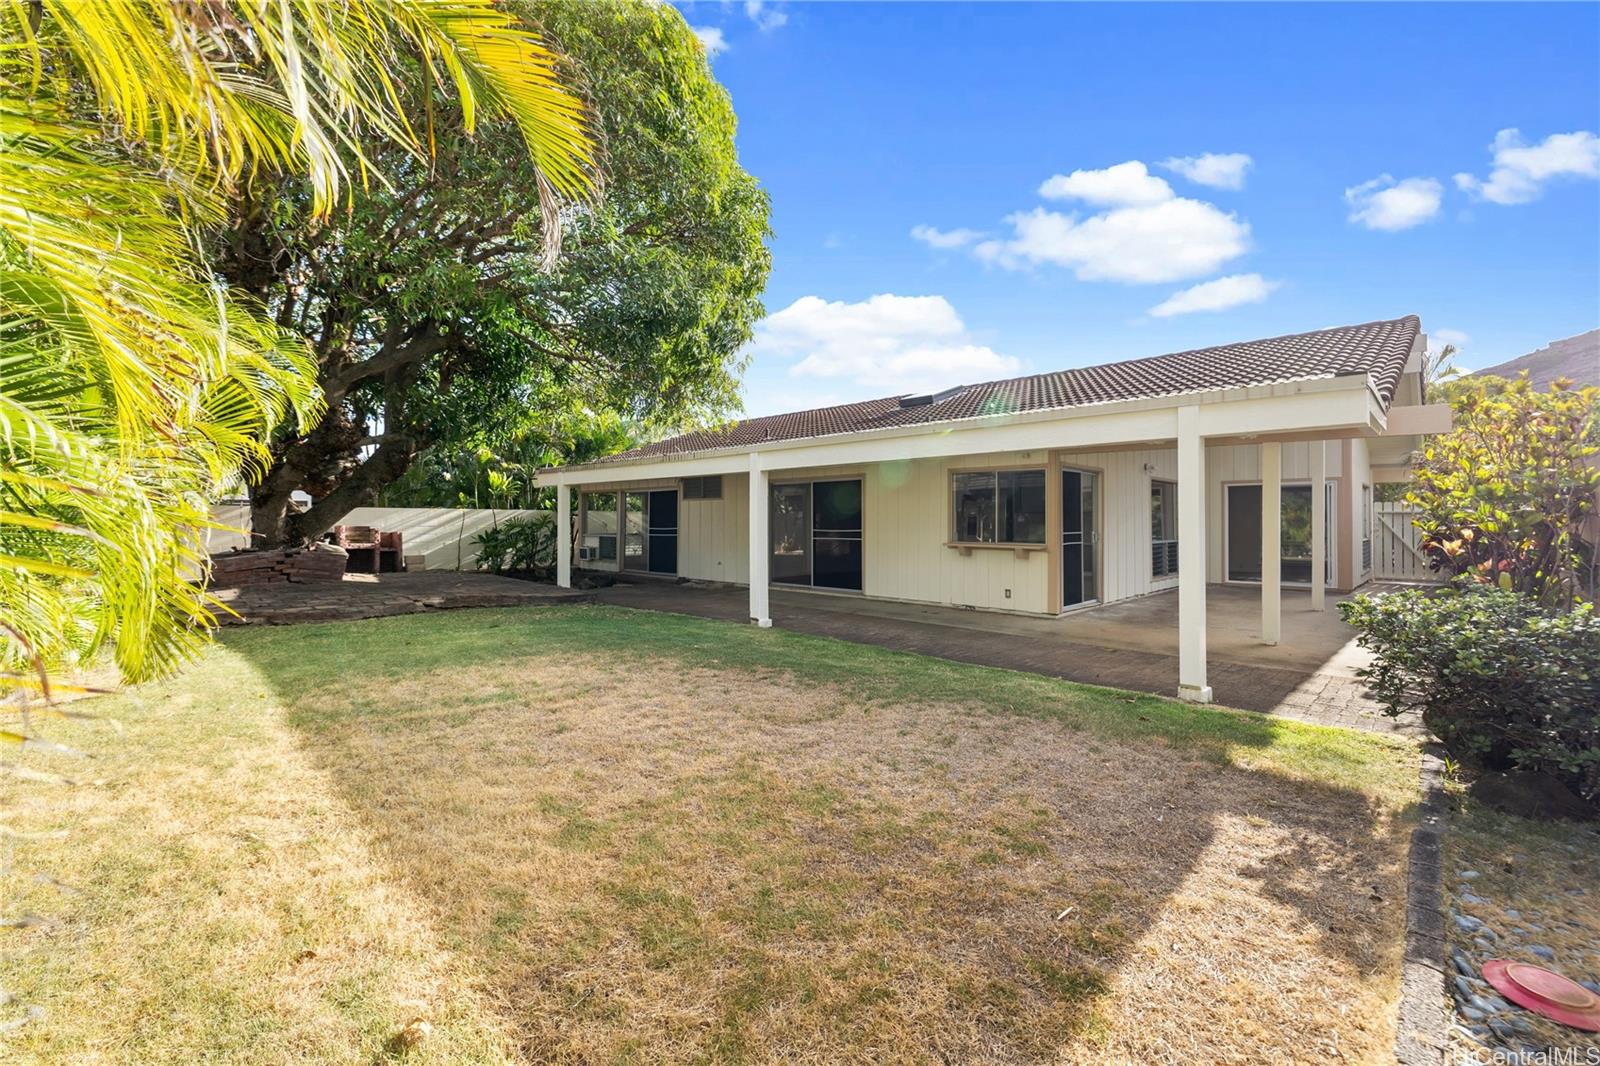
{"x": 133, "y": 386}
{"x": 520, "y": 545}
{"x": 435, "y": 332}
{"x": 1505, "y": 496}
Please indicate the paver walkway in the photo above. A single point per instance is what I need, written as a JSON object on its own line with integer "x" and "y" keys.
{"x": 380, "y": 595}
{"x": 1327, "y": 694}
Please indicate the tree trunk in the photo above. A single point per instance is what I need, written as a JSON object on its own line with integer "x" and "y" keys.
{"x": 360, "y": 489}
{"x": 269, "y": 519}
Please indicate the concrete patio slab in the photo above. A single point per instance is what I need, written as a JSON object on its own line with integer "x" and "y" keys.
{"x": 1309, "y": 676}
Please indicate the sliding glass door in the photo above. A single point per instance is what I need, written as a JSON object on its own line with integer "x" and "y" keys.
{"x": 661, "y": 521}
{"x": 816, "y": 534}
{"x": 1244, "y": 534}
{"x": 633, "y": 531}
{"x": 1080, "y": 505}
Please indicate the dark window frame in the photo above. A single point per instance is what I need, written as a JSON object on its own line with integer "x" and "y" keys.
{"x": 701, "y": 488}
{"x": 999, "y": 523}
{"x": 1164, "y": 541}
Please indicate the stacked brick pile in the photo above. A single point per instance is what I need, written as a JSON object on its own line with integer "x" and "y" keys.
{"x": 320, "y": 562}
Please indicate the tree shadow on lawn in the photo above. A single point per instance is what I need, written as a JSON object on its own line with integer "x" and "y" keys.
{"x": 683, "y": 842}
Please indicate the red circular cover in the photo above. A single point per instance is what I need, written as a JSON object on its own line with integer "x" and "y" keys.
{"x": 1545, "y": 992}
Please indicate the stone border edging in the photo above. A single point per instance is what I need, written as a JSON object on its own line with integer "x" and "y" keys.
{"x": 1422, "y": 1035}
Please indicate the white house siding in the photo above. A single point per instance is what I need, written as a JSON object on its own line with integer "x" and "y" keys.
{"x": 714, "y": 535}
{"x": 906, "y": 524}
{"x": 1125, "y": 561}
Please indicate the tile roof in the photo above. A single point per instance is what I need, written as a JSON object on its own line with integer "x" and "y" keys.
{"x": 1376, "y": 349}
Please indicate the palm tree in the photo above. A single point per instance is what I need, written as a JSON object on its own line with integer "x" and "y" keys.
{"x": 133, "y": 387}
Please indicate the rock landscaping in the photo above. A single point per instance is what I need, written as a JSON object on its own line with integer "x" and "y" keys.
{"x": 1524, "y": 895}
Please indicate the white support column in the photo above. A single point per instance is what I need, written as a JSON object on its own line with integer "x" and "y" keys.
{"x": 760, "y": 547}
{"x": 1271, "y": 542}
{"x": 1191, "y": 558}
{"x": 1319, "y": 524}
{"x": 564, "y": 535}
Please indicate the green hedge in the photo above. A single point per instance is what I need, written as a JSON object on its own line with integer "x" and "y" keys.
{"x": 1503, "y": 682}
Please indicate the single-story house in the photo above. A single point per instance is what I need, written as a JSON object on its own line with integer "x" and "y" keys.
{"x": 1250, "y": 463}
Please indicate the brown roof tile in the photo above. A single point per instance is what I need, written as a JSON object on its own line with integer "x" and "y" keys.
{"x": 1376, "y": 349}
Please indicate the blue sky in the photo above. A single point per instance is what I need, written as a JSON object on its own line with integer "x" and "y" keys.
{"x": 1092, "y": 183}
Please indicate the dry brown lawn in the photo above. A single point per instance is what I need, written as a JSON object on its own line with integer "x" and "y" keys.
{"x": 574, "y": 857}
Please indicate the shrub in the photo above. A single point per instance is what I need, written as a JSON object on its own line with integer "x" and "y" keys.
{"x": 519, "y": 545}
{"x": 1504, "y": 497}
{"x": 1502, "y": 681}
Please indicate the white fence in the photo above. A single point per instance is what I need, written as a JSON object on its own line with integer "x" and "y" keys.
{"x": 435, "y": 538}
{"x": 1397, "y": 545}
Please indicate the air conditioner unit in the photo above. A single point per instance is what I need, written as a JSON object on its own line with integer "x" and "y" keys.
{"x": 587, "y": 554}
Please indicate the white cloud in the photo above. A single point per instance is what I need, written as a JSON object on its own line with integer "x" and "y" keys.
{"x": 945, "y": 239}
{"x": 1521, "y": 170}
{"x": 1386, "y": 204}
{"x": 712, "y": 39}
{"x": 1440, "y": 339}
{"x": 1218, "y": 170}
{"x": 886, "y": 344}
{"x": 1124, "y": 185}
{"x": 766, "y": 16}
{"x": 1235, "y": 290}
{"x": 1168, "y": 241}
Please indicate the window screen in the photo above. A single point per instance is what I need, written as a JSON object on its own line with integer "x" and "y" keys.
{"x": 999, "y": 506}
{"x": 703, "y": 488}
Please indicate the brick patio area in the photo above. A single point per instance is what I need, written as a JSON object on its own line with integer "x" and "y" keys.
{"x": 1310, "y": 676}
{"x": 380, "y": 595}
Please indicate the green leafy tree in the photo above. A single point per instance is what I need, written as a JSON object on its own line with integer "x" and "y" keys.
{"x": 430, "y": 319}
{"x": 1505, "y": 496}
{"x": 497, "y": 468}
{"x": 132, "y": 385}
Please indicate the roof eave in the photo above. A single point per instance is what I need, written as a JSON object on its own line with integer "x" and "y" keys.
{"x": 1233, "y": 394}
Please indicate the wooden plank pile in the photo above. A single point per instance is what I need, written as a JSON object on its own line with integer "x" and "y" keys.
{"x": 239, "y": 569}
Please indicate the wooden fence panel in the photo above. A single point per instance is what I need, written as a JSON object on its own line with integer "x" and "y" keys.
{"x": 1397, "y": 546}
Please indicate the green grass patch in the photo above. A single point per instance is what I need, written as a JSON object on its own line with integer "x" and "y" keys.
{"x": 298, "y": 657}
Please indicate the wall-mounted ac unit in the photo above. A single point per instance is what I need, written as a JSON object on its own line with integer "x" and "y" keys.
{"x": 586, "y": 553}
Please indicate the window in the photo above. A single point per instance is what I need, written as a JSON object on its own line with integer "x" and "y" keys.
{"x": 600, "y": 522}
{"x": 703, "y": 488}
{"x": 1366, "y": 528}
{"x": 1163, "y": 529}
{"x": 999, "y": 506}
